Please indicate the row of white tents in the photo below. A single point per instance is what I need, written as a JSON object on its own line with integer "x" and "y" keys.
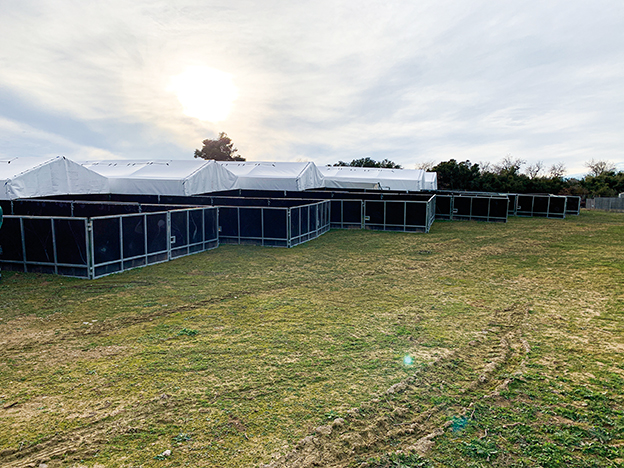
{"x": 28, "y": 177}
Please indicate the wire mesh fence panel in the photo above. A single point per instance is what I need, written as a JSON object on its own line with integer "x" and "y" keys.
{"x": 374, "y": 214}
{"x": 443, "y": 206}
{"x": 255, "y": 225}
{"x": 250, "y": 221}
{"x": 472, "y": 206}
{"x": 98, "y": 246}
{"x": 45, "y": 245}
{"x": 557, "y": 207}
{"x": 106, "y": 238}
{"x": 211, "y": 227}
{"x": 416, "y": 216}
{"x": 499, "y": 209}
{"x": 157, "y": 237}
{"x": 346, "y": 214}
{"x": 39, "y": 239}
{"x": 309, "y": 222}
{"x": 462, "y": 208}
{"x": 313, "y": 218}
{"x": 395, "y": 215}
{"x": 513, "y": 204}
{"x": 179, "y": 233}
{"x": 148, "y": 238}
{"x": 72, "y": 253}
{"x": 606, "y": 204}
{"x": 134, "y": 238}
{"x": 525, "y": 205}
{"x": 573, "y": 205}
{"x": 11, "y": 240}
{"x": 480, "y": 209}
{"x": 541, "y": 205}
{"x": 390, "y": 215}
{"x": 275, "y": 223}
{"x": 228, "y": 225}
{"x": 305, "y": 222}
{"x": 295, "y": 224}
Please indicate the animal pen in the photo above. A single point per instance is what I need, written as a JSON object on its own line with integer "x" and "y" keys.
{"x": 99, "y": 218}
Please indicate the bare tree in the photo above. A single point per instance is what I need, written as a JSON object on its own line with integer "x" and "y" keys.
{"x": 557, "y": 170}
{"x": 533, "y": 170}
{"x": 509, "y": 165}
{"x": 599, "y": 167}
{"x": 486, "y": 166}
{"x": 425, "y": 165}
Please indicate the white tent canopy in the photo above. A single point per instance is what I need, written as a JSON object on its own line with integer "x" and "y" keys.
{"x": 255, "y": 175}
{"x": 347, "y": 177}
{"x": 431, "y": 181}
{"x": 30, "y": 177}
{"x": 164, "y": 177}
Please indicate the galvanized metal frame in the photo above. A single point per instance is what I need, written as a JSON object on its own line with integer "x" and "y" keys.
{"x": 54, "y": 264}
{"x": 91, "y": 266}
{"x": 573, "y": 205}
{"x": 322, "y": 225}
{"x": 405, "y": 227}
{"x": 454, "y": 215}
{"x": 365, "y": 223}
{"x": 522, "y": 211}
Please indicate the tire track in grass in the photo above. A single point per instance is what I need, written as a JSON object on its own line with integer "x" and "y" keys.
{"x": 411, "y": 414}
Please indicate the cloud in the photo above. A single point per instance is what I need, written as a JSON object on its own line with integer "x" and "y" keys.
{"x": 35, "y": 142}
{"x": 322, "y": 81}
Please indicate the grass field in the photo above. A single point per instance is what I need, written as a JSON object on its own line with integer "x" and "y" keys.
{"x": 474, "y": 345}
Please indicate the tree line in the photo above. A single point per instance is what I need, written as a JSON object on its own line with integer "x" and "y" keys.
{"x": 602, "y": 179}
{"x": 508, "y": 176}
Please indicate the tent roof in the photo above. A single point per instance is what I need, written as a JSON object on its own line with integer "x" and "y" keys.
{"x": 372, "y": 177}
{"x": 275, "y": 175}
{"x": 431, "y": 181}
{"x": 164, "y": 177}
{"x": 29, "y": 177}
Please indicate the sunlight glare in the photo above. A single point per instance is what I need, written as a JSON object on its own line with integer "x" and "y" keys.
{"x": 205, "y": 93}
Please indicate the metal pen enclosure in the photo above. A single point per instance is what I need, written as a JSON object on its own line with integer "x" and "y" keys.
{"x": 573, "y": 205}
{"x": 90, "y": 239}
{"x": 541, "y": 205}
{"x": 280, "y": 222}
{"x": 276, "y": 226}
{"x": 472, "y": 207}
{"x": 413, "y": 212}
{"x": 91, "y": 247}
{"x": 351, "y": 209}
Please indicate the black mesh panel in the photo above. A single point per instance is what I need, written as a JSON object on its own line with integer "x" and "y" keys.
{"x": 275, "y": 224}
{"x": 374, "y": 212}
{"x": 251, "y": 222}
{"x": 133, "y": 236}
{"x": 106, "y": 243}
{"x": 71, "y": 241}
{"x": 11, "y": 239}
{"x": 179, "y": 229}
{"x": 196, "y": 229}
{"x": 38, "y": 236}
{"x": 395, "y": 213}
{"x": 156, "y": 232}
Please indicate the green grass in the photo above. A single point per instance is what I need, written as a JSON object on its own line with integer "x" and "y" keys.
{"x": 233, "y": 357}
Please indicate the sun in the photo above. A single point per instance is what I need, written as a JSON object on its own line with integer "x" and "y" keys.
{"x": 205, "y": 93}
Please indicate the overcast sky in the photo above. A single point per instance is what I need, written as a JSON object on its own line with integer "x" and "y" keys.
{"x": 411, "y": 81}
